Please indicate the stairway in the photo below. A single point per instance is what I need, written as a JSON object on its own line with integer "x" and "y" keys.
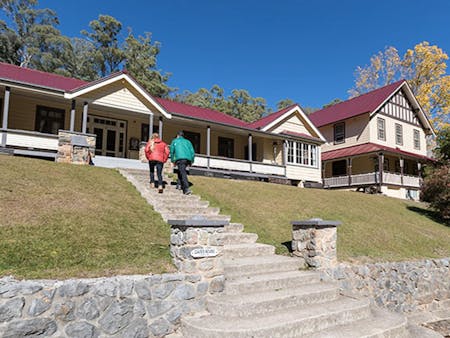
{"x": 267, "y": 295}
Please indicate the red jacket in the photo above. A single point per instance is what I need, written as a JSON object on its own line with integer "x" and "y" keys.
{"x": 157, "y": 150}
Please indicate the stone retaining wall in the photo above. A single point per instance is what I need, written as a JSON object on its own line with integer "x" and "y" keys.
{"x": 399, "y": 286}
{"x": 123, "y": 306}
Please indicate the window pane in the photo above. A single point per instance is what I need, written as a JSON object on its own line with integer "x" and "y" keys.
{"x": 305, "y": 154}
{"x": 339, "y": 132}
{"x": 381, "y": 131}
{"x": 398, "y": 134}
{"x": 111, "y": 140}
{"x": 49, "y": 120}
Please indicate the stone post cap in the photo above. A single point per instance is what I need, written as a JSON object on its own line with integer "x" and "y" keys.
{"x": 317, "y": 222}
{"x": 198, "y": 221}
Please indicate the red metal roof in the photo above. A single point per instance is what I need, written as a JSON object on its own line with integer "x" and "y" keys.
{"x": 367, "y": 148}
{"x": 365, "y": 103}
{"x": 262, "y": 122}
{"x": 302, "y": 135}
{"x": 38, "y": 78}
{"x": 200, "y": 113}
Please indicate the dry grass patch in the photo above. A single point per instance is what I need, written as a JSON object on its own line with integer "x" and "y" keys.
{"x": 59, "y": 221}
{"x": 374, "y": 227}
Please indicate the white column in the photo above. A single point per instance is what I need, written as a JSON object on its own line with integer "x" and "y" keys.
{"x": 5, "y": 114}
{"x": 85, "y": 113}
{"x": 150, "y": 126}
{"x": 160, "y": 127}
{"x": 208, "y": 144}
{"x": 250, "y": 155}
{"x": 72, "y": 116}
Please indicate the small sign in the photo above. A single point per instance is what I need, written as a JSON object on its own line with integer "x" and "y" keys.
{"x": 206, "y": 251}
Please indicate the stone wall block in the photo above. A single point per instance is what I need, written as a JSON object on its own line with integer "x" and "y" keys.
{"x": 73, "y": 288}
{"x": 184, "y": 292}
{"x": 81, "y": 330}
{"x": 163, "y": 290}
{"x": 138, "y": 328}
{"x": 88, "y": 309}
{"x": 161, "y": 327}
{"x": 117, "y": 316}
{"x": 159, "y": 307}
{"x": 217, "y": 284}
{"x": 38, "y": 327}
{"x": 11, "y": 309}
{"x": 143, "y": 290}
{"x": 39, "y": 306}
{"x": 65, "y": 311}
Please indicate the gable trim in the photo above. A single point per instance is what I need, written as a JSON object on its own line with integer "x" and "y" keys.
{"x": 294, "y": 109}
{"x": 416, "y": 106}
{"x": 112, "y": 79}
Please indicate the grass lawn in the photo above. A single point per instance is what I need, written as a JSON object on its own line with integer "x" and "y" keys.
{"x": 374, "y": 228}
{"x": 59, "y": 221}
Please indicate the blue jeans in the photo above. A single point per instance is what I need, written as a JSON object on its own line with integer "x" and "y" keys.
{"x": 159, "y": 167}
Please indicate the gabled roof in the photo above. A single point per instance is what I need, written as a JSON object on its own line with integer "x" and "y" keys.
{"x": 200, "y": 113}
{"x": 266, "y": 120}
{"x": 367, "y": 148}
{"x": 365, "y": 103}
{"x": 38, "y": 78}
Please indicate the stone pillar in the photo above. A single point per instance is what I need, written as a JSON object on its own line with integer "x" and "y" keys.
{"x": 196, "y": 247}
{"x": 314, "y": 240}
{"x": 75, "y": 148}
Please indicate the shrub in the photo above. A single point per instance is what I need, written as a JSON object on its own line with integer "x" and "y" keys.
{"x": 436, "y": 190}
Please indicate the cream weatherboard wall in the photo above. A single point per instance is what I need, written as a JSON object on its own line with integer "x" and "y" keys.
{"x": 357, "y": 131}
{"x": 294, "y": 123}
{"x": 390, "y": 138}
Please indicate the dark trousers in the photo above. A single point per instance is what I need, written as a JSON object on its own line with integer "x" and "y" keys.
{"x": 159, "y": 167}
{"x": 182, "y": 174}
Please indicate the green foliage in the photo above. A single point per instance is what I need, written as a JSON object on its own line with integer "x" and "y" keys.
{"x": 436, "y": 190}
{"x": 443, "y": 144}
{"x": 284, "y": 103}
{"x": 107, "y": 54}
{"x": 332, "y": 103}
{"x": 140, "y": 61}
{"x": 239, "y": 104}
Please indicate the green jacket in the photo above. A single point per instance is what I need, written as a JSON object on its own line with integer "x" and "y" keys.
{"x": 181, "y": 149}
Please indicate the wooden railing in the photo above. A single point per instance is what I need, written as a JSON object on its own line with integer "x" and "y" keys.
{"x": 30, "y": 139}
{"x": 233, "y": 164}
{"x": 371, "y": 178}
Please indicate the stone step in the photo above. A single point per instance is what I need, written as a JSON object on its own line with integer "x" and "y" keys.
{"x": 234, "y": 227}
{"x": 260, "y": 303}
{"x": 176, "y": 216}
{"x": 229, "y": 238}
{"x": 246, "y": 250}
{"x": 380, "y": 324}
{"x": 296, "y": 322}
{"x": 180, "y": 202}
{"x": 188, "y": 210}
{"x": 248, "y": 266}
{"x": 270, "y": 282}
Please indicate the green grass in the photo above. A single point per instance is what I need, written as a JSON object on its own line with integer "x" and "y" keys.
{"x": 59, "y": 221}
{"x": 374, "y": 228}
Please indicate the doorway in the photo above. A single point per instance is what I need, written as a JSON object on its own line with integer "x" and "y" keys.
{"x": 111, "y": 135}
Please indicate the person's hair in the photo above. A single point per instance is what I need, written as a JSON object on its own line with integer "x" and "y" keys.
{"x": 155, "y": 135}
{"x": 180, "y": 133}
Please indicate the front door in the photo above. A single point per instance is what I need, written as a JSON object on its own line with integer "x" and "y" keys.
{"x": 110, "y": 135}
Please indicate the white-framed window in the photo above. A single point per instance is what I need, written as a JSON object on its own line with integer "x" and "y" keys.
{"x": 302, "y": 153}
{"x": 416, "y": 139}
{"x": 381, "y": 125}
{"x": 339, "y": 132}
{"x": 398, "y": 134}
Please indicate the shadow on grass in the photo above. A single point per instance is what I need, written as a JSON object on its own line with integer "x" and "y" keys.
{"x": 288, "y": 246}
{"x": 431, "y": 214}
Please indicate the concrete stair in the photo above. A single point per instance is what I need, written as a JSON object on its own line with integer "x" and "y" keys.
{"x": 267, "y": 295}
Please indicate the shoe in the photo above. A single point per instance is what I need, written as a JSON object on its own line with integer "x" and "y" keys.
{"x": 160, "y": 190}
{"x": 178, "y": 187}
{"x": 187, "y": 192}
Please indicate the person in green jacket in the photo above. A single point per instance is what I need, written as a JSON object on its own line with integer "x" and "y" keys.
{"x": 182, "y": 154}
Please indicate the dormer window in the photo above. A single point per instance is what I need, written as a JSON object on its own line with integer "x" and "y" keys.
{"x": 339, "y": 132}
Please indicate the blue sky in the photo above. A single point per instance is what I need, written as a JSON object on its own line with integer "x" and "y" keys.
{"x": 303, "y": 50}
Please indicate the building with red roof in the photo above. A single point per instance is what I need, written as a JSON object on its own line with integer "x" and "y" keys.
{"x": 118, "y": 114}
{"x": 375, "y": 142}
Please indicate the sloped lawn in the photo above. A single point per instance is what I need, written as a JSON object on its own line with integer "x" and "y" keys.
{"x": 374, "y": 228}
{"x": 59, "y": 221}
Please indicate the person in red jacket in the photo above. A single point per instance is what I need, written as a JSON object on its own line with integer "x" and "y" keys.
{"x": 157, "y": 153}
